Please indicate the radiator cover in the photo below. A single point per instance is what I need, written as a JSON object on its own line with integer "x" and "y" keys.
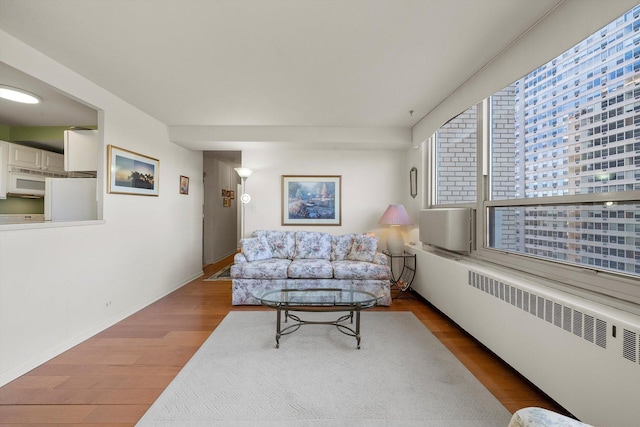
{"x": 583, "y": 354}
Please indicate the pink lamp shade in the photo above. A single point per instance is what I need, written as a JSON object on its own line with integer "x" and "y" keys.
{"x": 395, "y": 215}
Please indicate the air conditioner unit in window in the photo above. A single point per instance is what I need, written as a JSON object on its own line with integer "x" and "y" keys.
{"x": 447, "y": 228}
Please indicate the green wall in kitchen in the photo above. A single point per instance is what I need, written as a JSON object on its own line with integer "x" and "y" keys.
{"x": 37, "y": 133}
{"x": 31, "y": 134}
{"x": 42, "y": 134}
{"x": 5, "y": 132}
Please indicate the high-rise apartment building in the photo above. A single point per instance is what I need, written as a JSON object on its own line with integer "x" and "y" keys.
{"x": 570, "y": 127}
{"x": 577, "y": 131}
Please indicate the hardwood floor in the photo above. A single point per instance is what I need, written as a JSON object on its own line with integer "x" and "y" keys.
{"x": 113, "y": 377}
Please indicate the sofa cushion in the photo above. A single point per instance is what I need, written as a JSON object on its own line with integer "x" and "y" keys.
{"x": 282, "y": 243}
{"x": 274, "y": 268}
{"x": 340, "y": 246}
{"x": 255, "y": 248}
{"x": 313, "y": 245}
{"x": 359, "y": 270}
{"x": 310, "y": 269}
{"x": 364, "y": 248}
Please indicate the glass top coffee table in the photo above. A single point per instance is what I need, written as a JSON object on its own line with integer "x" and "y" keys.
{"x": 349, "y": 301}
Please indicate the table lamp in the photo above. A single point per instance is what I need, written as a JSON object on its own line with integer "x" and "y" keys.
{"x": 395, "y": 216}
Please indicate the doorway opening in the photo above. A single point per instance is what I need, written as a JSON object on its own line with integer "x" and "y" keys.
{"x": 220, "y": 219}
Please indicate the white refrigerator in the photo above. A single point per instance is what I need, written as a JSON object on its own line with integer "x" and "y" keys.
{"x": 70, "y": 199}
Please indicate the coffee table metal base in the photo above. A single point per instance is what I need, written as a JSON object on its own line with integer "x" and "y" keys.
{"x": 338, "y": 323}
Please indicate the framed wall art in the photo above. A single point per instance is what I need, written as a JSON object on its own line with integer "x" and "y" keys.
{"x": 184, "y": 184}
{"x": 311, "y": 200}
{"x": 131, "y": 173}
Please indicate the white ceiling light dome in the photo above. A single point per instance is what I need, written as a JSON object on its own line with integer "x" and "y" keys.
{"x": 18, "y": 95}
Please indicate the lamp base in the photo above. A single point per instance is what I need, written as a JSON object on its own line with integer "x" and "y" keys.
{"x": 395, "y": 242}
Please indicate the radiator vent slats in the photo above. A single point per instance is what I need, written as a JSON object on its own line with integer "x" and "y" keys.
{"x": 630, "y": 345}
{"x": 541, "y": 307}
{"x": 566, "y": 318}
{"x": 601, "y": 333}
{"x": 589, "y": 327}
{"x": 557, "y": 313}
{"x": 548, "y": 312}
{"x": 576, "y": 322}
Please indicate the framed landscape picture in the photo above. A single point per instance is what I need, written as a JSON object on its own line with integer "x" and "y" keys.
{"x": 311, "y": 200}
{"x": 131, "y": 173}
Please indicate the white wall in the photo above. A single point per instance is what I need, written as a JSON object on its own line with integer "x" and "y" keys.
{"x": 568, "y": 24}
{"x": 59, "y": 286}
{"x": 371, "y": 180}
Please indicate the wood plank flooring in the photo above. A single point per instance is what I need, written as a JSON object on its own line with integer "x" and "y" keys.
{"x": 112, "y": 378}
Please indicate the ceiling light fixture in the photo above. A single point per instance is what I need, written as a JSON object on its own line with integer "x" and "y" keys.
{"x": 18, "y": 95}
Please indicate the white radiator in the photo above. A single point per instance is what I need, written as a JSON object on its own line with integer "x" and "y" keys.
{"x": 584, "y": 355}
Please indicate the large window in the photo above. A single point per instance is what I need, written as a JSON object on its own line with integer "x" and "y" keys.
{"x": 561, "y": 159}
{"x": 602, "y": 236}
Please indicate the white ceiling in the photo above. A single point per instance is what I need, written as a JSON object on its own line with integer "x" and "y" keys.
{"x": 56, "y": 108}
{"x": 344, "y": 63}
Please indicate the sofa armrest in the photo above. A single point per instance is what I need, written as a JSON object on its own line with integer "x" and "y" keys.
{"x": 539, "y": 417}
{"x": 239, "y": 258}
{"x": 380, "y": 259}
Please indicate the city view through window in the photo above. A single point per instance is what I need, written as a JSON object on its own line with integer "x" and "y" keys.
{"x": 570, "y": 127}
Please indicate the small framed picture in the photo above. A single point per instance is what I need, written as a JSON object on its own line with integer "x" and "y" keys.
{"x": 232, "y": 194}
{"x": 226, "y": 202}
{"x": 224, "y": 192}
{"x": 184, "y": 184}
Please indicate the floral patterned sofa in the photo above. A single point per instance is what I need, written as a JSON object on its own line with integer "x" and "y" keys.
{"x": 273, "y": 258}
{"x": 539, "y": 417}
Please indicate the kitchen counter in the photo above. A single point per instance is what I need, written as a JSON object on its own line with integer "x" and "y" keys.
{"x": 21, "y": 218}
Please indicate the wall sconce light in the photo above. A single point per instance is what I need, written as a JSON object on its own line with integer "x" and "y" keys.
{"x": 413, "y": 182}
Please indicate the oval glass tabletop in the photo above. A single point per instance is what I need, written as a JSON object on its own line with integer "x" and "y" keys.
{"x": 319, "y": 296}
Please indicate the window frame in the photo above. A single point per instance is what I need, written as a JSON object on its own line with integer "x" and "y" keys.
{"x": 613, "y": 288}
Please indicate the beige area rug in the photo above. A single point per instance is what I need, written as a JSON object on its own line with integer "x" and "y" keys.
{"x": 223, "y": 274}
{"x": 402, "y": 376}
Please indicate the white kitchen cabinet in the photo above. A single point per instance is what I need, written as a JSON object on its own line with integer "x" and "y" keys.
{"x": 35, "y": 158}
{"x": 4, "y": 156}
{"x": 26, "y": 157}
{"x": 52, "y": 162}
{"x": 80, "y": 150}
